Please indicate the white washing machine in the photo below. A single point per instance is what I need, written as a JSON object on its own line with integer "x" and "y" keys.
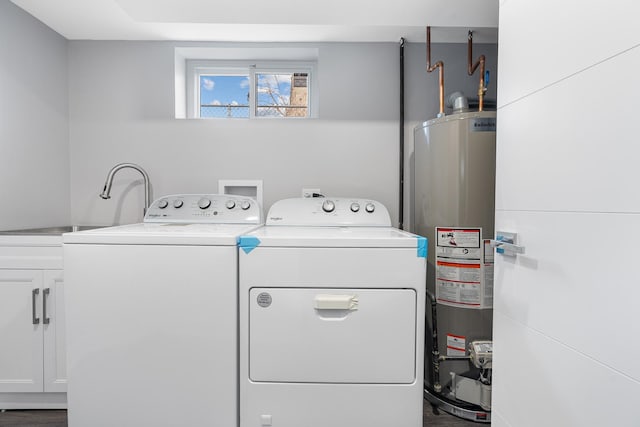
{"x": 332, "y": 302}
{"x": 152, "y": 315}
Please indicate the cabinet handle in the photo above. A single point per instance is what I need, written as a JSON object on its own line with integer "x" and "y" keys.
{"x": 45, "y": 294}
{"x": 34, "y": 294}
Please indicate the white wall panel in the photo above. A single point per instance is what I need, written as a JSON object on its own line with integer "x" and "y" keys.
{"x": 574, "y": 145}
{"x": 543, "y": 41}
{"x": 573, "y": 284}
{"x": 498, "y": 421}
{"x": 564, "y": 316}
{"x": 555, "y": 385}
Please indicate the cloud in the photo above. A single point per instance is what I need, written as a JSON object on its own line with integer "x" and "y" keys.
{"x": 215, "y": 102}
{"x": 274, "y": 80}
{"x": 208, "y": 84}
{"x": 244, "y": 83}
{"x": 234, "y": 103}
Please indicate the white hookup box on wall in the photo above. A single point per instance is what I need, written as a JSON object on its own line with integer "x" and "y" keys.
{"x": 242, "y": 187}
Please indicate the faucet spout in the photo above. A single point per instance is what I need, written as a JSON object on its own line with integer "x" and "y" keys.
{"x": 106, "y": 191}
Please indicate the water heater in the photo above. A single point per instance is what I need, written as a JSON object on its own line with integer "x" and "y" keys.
{"x": 454, "y": 200}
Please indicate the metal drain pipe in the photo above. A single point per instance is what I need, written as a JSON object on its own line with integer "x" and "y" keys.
{"x": 435, "y": 362}
{"x": 472, "y": 68}
{"x": 401, "y": 189}
{"x": 431, "y": 68}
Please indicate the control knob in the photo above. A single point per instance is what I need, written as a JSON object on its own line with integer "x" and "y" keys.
{"x": 204, "y": 203}
{"x": 328, "y": 206}
{"x": 245, "y": 205}
{"x": 355, "y": 207}
{"x": 230, "y": 204}
{"x": 370, "y": 207}
{"x": 177, "y": 203}
{"x": 163, "y": 203}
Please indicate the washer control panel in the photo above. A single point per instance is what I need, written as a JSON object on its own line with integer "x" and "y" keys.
{"x": 205, "y": 208}
{"x": 329, "y": 211}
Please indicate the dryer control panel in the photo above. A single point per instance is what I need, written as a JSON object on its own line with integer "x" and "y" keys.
{"x": 205, "y": 208}
{"x": 329, "y": 212}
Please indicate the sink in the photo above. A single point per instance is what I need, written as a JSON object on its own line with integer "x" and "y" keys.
{"x": 50, "y": 231}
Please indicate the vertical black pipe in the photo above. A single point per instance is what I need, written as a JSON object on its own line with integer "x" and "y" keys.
{"x": 401, "y": 190}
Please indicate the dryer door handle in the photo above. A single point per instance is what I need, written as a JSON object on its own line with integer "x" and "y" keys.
{"x": 336, "y": 302}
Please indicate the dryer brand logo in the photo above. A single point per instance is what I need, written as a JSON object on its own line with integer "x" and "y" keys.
{"x": 275, "y": 218}
{"x": 264, "y": 299}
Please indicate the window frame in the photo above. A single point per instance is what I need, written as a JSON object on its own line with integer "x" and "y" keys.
{"x": 197, "y": 68}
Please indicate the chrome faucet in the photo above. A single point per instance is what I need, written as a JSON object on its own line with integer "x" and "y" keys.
{"x": 107, "y": 185}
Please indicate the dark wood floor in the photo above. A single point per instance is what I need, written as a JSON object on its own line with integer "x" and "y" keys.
{"x": 58, "y": 418}
{"x": 34, "y": 418}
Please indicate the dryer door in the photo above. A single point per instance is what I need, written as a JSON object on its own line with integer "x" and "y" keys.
{"x": 332, "y": 335}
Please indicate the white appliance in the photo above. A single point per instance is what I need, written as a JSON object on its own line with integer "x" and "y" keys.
{"x": 331, "y": 317}
{"x": 152, "y": 315}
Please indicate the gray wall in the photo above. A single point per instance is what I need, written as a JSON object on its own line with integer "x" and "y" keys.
{"x": 121, "y": 110}
{"x": 34, "y": 150}
{"x": 60, "y": 139}
{"x": 122, "y": 107}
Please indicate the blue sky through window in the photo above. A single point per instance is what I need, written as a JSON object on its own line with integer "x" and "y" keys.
{"x": 224, "y": 90}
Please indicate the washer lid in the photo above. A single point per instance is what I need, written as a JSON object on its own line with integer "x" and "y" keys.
{"x": 162, "y": 234}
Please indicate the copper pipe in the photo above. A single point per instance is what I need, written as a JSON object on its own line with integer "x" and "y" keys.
{"x": 431, "y": 68}
{"x": 472, "y": 68}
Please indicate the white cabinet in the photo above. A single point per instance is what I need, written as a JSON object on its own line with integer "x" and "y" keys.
{"x": 21, "y": 355}
{"x": 32, "y": 338}
{"x": 54, "y": 356}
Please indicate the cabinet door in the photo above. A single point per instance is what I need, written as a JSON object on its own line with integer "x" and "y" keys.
{"x": 55, "y": 363}
{"x": 21, "y": 330}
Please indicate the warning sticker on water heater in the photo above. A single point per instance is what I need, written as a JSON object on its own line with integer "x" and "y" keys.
{"x": 463, "y": 269}
{"x": 456, "y": 345}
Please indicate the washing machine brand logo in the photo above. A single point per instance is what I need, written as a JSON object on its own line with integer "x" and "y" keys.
{"x": 275, "y": 218}
{"x": 264, "y": 299}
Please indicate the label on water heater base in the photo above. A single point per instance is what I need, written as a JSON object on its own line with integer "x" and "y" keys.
{"x": 456, "y": 345}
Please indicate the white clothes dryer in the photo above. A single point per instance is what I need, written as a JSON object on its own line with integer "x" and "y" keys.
{"x": 332, "y": 302}
{"x": 152, "y": 315}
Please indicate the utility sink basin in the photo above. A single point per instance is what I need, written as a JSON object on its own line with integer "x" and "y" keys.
{"x": 50, "y": 231}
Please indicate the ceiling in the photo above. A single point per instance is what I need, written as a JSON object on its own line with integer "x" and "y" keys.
{"x": 268, "y": 21}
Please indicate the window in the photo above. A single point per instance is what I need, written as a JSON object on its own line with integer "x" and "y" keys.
{"x": 282, "y": 95}
{"x": 244, "y": 90}
{"x": 223, "y": 95}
